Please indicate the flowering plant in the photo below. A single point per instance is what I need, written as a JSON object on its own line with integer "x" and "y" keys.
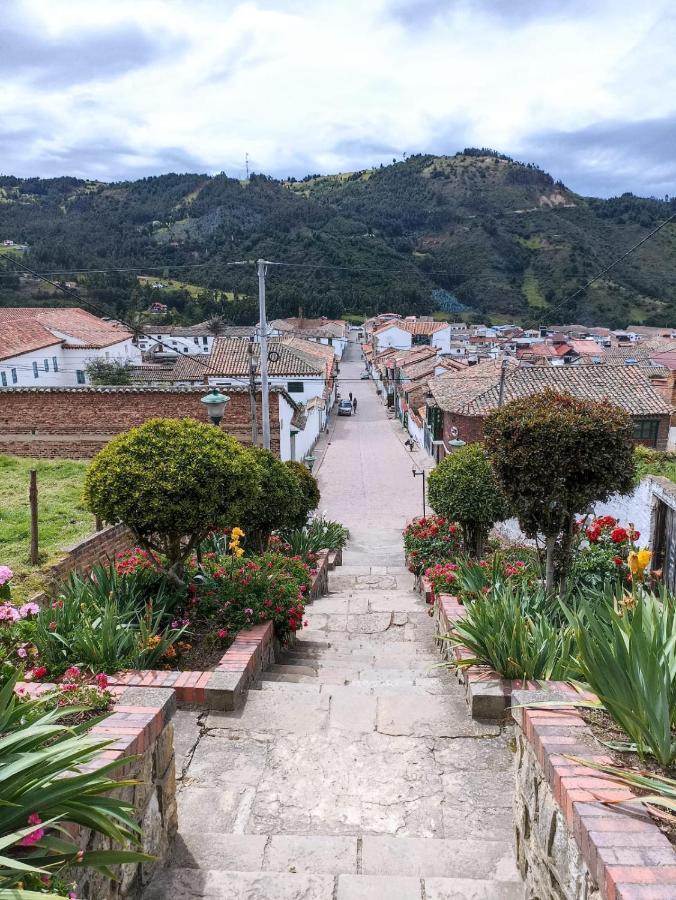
{"x": 431, "y": 540}
{"x": 442, "y": 577}
{"x": 6, "y": 576}
{"x": 17, "y": 631}
{"x": 603, "y": 549}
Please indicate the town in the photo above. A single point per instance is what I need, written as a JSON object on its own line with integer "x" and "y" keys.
{"x": 338, "y": 450}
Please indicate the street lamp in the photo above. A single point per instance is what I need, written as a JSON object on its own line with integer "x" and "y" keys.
{"x": 215, "y": 403}
{"x": 421, "y": 472}
{"x": 455, "y": 441}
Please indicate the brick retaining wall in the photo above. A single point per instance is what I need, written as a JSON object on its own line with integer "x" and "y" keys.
{"x": 77, "y": 422}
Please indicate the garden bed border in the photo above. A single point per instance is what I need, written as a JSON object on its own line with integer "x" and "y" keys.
{"x": 620, "y": 849}
{"x": 224, "y": 687}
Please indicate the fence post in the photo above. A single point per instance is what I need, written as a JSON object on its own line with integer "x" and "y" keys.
{"x": 33, "y": 501}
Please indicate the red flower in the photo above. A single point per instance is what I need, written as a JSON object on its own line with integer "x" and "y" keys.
{"x": 102, "y": 681}
{"x": 39, "y": 672}
{"x": 618, "y": 560}
{"x": 605, "y": 522}
{"x": 635, "y": 535}
{"x": 593, "y": 533}
{"x": 619, "y": 535}
{"x": 52, "y": 626}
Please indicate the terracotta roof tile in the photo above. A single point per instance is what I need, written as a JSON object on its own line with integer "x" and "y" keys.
{"x": 230, "y": 356}
{"x": 74, "y": 326}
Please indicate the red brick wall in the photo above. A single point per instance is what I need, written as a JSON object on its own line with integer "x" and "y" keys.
{"x": 77, "y": 422}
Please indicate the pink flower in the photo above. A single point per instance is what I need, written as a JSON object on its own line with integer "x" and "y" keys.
{"x": 34, "y": 836}
{"x": 8, "y": 613}
{"x": 222, "y": 633}
{"x": 5, "y": 574}
{"x": 29, "y": 609}
{"x": 22, "y": 652}
{"x": 52, "y": 626}
{"x": 72, "y": 672}
{"x": 248, "y": 611}
{"x": 102, "y": 681}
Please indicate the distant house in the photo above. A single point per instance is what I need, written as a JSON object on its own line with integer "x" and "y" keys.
{"x": 403, "y": 334}
{"x": 168, "y": 341}
{"x": 462, "y": 400}
{"x": 46, "y": 347}
{"x": 301, "y": 376}
{"x": 330, "y": 332}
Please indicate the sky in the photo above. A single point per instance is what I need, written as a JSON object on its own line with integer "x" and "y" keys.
{"x": 121, "y": 89}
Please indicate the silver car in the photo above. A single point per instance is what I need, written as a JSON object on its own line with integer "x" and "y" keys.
{"x": 345, "y": 408}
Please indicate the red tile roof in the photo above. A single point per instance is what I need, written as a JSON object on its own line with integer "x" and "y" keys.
{"x": 230, "y": 357}
{"x": 17, "y": 337}
{"x": 71, "y": 325}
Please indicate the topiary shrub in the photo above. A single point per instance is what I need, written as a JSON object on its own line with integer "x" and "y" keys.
{"x": 309, "y": 490}
{"x": 555, "y": 455}
{"x": 172, "y": 481}
{"x": 463, "y": 489}
{"x": 279, "y": 504}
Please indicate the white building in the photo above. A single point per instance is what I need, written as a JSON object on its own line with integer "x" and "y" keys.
{"x": 406, "y": 333}
{"x": 45, "y": 347}
{"x": 170, "y": 341}
{"x": 330, "y": 332}
{"x": 301, "y": 377}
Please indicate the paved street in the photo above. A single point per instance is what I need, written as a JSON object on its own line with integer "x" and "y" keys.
{"x": 366, "y": 475}
{"x": 353, "y": 772}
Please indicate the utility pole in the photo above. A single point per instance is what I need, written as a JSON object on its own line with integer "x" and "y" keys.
{"x": 265, "y": 397}
{"x": 252, "y": 394}
{"x": 246, "y": 161}
{"x": 503, "y": 373}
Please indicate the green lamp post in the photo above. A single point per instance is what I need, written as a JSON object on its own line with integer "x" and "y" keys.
{"x": 215, "y": 403}
{"x": 455, "y": 441}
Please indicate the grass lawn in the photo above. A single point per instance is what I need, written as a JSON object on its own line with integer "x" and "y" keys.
{"x": 62, "y": 518}
{"x": 174, "y": 285}
{"x": 655, "y": 462}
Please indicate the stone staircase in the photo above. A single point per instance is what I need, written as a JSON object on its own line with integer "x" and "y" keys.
{"x": 353, "y": 771}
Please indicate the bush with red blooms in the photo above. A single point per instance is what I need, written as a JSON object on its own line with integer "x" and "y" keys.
{"x": 431, "y": 540}
{"x": 601, "y": 552}
{"x": 227, "y": 594}
{"x": 442, "y": 577}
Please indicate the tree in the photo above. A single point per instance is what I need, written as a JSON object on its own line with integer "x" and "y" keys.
{"x": 172, "y": 481}
{"x": 279, "y": 504}
{"x": 554, "y": 456}
{"x": 108, "y": 371}
{"x": 463, "y": 488}
{"x": 309, "y": 490}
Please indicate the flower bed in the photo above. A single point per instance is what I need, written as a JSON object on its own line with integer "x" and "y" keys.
{"x": 570, "y": 843}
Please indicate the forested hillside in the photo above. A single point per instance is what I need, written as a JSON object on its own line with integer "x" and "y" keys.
{"x": 477, "y": 233}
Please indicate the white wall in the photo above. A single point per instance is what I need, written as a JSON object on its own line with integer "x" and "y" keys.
{"x": 442, "y": 339}
{"x": 395, "y": 337}
{"x": 68, "y": 362}
{"x": 174, "y": 345}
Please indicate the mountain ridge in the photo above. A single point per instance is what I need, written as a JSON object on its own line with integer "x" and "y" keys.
{"x": 504, "y": 239}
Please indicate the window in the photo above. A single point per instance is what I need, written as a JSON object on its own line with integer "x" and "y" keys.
{"x": 3, "y": 379}
{"x": 80, "y": 376}
{"x": 330, "y": 342}
{"x": 14, "y": 376}
{"x": 435, "y": 422}
{"x": 423, "y": 339}
{"x": 295, "y": 387}
{"x": 646, "y": 431}
{"x": 55, "y": 364}
{"x": 196, "y": 340}
{"x": 35, "y": 370}
{"x": 205, "y": 340}
{"x": 45, "y": 365}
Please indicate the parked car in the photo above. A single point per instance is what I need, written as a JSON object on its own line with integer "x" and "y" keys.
{"x": 344, "y": 408}
{"x": 364, "y": 376}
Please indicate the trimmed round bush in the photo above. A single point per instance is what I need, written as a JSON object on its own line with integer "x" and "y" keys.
{"x": 309, "y": 490}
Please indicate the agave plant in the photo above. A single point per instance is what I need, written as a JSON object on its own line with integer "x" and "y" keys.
{"x": 626, "y": 652}
{"x": 43, "y": 786}
{"x": 512, "y": 631}
{"x": 320, "y": 534}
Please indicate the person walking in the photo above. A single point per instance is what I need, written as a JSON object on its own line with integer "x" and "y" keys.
{"x": 354, "y": 406}
{"x": 350, "y": 396}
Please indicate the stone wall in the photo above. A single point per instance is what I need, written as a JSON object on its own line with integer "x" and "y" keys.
{"x": 153, "y": 797}
{"x": 547, "y": 855}
{"x": 77, "y": 422}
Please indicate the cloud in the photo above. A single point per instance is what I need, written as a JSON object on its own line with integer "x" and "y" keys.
{"x": 114, "y": 88}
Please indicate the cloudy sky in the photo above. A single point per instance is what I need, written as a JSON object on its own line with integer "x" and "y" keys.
{"x": 114, "y": 89}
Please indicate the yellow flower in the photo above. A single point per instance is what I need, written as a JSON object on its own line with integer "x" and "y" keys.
{"x": 234, "y": 544}
{"x": 637, "y": 562}
{"x": 238, "y": 551}
{"x": 237, "y": 533}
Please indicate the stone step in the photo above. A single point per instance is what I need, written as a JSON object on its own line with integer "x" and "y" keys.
{"x": 219, "y": 884}
{"x": 284, "y": 668}
{"x": 308, "y": 686}
{"x": 288, "y": 679}
{"x": 339, "y": 855}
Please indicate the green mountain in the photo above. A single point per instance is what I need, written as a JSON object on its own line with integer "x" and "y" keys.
{"x": 497, "y": 238}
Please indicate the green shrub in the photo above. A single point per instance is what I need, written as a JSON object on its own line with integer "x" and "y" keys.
{"x": 513, "y": 631}
{"x": 44, "y": 784}
{"x": 320, "y": 534}
{"x": 172, "y": 481}
{"x": 626, "y": 652}
{"x": 277, "y": 507}
{"x": 463, "y": 488}
{"x": 309, "y": 491}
